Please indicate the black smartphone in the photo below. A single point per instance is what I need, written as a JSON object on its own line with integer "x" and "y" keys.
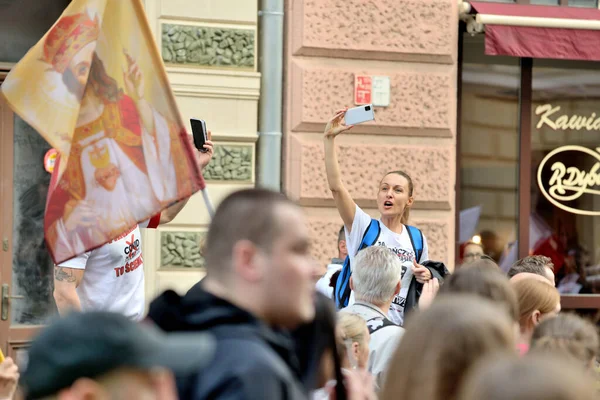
{"x": 199, "y": 131}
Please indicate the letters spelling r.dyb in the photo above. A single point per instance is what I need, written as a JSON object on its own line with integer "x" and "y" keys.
{"x": 570, "y": 183}
{"x": 576, "y": 180}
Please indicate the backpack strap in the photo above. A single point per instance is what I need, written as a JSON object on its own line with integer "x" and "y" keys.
{"x": 416, "y": 238}
{"x": 342, "y": 288}
{"x": 377, "y": 323}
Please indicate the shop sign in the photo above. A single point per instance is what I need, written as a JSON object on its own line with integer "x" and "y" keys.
{"x": 569, "y": 183}
{"x": 551, "y": 117}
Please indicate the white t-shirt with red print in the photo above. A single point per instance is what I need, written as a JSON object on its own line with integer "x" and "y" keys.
{"x": 114, "y": 275}
{"x": 400, "y": 244}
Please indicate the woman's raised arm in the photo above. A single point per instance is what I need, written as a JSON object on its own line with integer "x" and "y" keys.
{"x": 344, "y": 203}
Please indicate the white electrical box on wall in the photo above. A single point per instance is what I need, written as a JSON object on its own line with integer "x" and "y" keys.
{"x": 381, "y": 91}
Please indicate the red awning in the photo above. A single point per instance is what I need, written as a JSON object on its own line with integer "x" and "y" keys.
{"x": 560, "y": 32}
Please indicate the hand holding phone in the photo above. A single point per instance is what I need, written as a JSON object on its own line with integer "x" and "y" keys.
{"x": 360, "y": 114}
{"x": 200, "y": 133}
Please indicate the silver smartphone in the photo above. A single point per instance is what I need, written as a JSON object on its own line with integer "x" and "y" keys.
{"x": 358, "y": 115}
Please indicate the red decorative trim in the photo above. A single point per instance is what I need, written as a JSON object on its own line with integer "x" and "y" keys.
{"x": 154, "y": 222}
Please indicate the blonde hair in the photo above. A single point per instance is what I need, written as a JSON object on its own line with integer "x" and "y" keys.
{"x": 531, "y": 377}
{"x": 568, "y": 335}
{"x": 352, "y": 328}
{"x": 489, "y": 283}
{"x": 535, "y": 295}
{"x": 441, "y": 343}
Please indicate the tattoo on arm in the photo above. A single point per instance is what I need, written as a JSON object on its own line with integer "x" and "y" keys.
{"x": 64, "y": 275}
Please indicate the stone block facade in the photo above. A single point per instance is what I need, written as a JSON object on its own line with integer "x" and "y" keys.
{"x": 414, "y": 43}
{"x": 208, "y": 46}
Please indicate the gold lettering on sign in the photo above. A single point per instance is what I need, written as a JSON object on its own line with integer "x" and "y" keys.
{"x": 550, "y": 117}
{"x": 570, "y": 183}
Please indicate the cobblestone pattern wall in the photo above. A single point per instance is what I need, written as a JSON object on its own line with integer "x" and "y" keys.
{"x": 230, "y": 163}
{"x": 208, "y": 46}
{"x": 181, "y": 249}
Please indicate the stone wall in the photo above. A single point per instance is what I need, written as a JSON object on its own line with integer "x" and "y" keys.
{"x": 414, "y": 43}
{"x": 231, "y": 163}
{"x": 181, "y": 249}
{"x": 208, "y": 46}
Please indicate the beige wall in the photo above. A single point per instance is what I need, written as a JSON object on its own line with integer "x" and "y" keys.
{"x": 209, "y": 49}
{"x": 414, "y": 42}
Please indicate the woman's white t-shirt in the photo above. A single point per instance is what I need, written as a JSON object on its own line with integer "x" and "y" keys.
{"x": 399, "y": 243}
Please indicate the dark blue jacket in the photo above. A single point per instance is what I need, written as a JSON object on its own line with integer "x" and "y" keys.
{"x": 251, "y": 360}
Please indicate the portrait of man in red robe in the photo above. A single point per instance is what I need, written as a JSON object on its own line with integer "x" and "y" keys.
{"x": 125, "y": 157}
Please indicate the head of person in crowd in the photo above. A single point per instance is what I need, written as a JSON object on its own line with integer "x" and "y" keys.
{"x": 257, "y": 257}
{"x": 395, "y": 196}
{"x": 376, "y": 276}
{"x": 567, "y": 335}
{"x": 472, "y": 251}
{"x": 525, "y": 378}
{"x": 492, "y": 244}
{"x": 355, "y": 339}
{"x": 441, "y": 343}
{"x": 481, "y": 262}
{"x": 539, "y": 265}
{"x": 318, "y": 349}
{"x": 341, "y": 244}
{"x": 101, "y": 355}
{"x": 538, "y": 300}
{"x": 482, "y": 278}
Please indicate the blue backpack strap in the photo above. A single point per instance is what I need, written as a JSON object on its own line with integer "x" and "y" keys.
{"x": 342, "y": 287}
{"x": 416, "y": 238}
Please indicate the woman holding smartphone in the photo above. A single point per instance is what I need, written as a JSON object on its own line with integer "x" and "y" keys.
{"x": 394, "y": 199}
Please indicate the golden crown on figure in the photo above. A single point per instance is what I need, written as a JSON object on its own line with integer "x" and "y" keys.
{"x": 100, "y": 156}
{"x": 69, "y": 35}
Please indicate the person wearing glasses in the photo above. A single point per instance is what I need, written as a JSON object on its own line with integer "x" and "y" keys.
{"x": 473, "y": 251}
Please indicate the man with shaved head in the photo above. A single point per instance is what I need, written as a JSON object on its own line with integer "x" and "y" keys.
{"x": 259, "y": 282}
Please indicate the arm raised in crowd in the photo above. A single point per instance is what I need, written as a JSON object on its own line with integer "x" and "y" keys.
{"x": 202, "y": 160}
{"x": 66, "y": 281}
{"x": 343, "y": 201}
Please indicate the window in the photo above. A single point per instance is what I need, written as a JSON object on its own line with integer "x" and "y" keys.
{"x": 489, "y": 151}
{"x": 565, "y": 172}
{"x": 529, "y": 158}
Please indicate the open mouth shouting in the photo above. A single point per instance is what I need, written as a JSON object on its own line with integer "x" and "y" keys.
{"x": 388, "y": 205}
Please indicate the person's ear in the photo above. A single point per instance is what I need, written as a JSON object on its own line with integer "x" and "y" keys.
{"x": 410, "y": 201}
{"x": 351, "y": 284}
{"x": 342, "y": 246}
{"x": 248, "y": 261}
{"x": 398, "y": 287}
{"x": 356, "y": 350}
{"x": 536, "y": 317}
{"x": 82, "y": 389}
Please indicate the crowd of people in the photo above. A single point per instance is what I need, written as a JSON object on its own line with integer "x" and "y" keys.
{"x": 382, "y": 321}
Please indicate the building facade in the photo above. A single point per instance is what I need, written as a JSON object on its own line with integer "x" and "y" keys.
{"x": 414, "y": 44}
{"x": 475, "y": 131}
